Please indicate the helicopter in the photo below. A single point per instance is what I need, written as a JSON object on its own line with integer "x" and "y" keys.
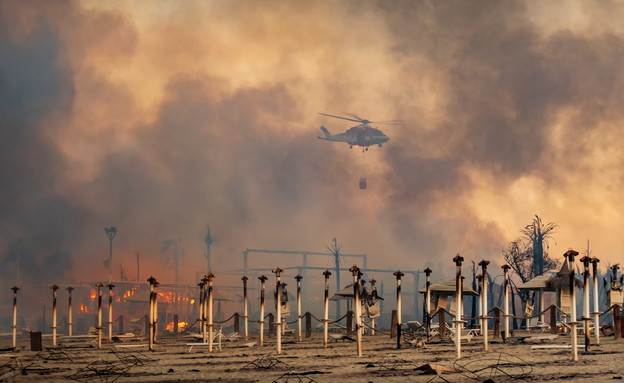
{"x": 362, "y": 135}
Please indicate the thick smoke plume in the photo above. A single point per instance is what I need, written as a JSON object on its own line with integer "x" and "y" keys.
{"x": 161, "y": 118}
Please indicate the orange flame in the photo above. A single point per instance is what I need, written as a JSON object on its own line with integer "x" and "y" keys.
{"x": 84, "y": 309}
{"x": 181, "y": 326}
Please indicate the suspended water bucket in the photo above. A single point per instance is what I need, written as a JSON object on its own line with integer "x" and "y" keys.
{"x": 362, "y": 183}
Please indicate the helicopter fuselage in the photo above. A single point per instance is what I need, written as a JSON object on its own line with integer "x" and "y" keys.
{"x": 361, "y": 135}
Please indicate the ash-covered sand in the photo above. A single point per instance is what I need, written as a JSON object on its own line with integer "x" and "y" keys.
{"x": 308, "y": 361}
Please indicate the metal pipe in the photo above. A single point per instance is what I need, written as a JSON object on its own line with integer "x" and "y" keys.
{"x": 596, "y": 312}
{"x": 54, "y": 289}
{"x": 458, "y": 259}
{"x": 356, "y": 308}
{"x": 570, "y": 254}
{"x": 262, "y": 279}
{"x": 15, "y": 290}
{"x": 298, "y": 278}
{"x": 245, "y": 312}
{"x": 326, "y": 273}
{"x": 484, "y": 303}
{"x": 278, "y": 309}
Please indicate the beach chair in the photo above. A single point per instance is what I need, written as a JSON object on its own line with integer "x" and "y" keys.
{"x": 465, "y": 335}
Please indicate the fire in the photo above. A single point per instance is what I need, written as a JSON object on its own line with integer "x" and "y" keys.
{"x": 92, "y": 294}
{"x": 84, "y": 309}
{"x": 181, "y": 326}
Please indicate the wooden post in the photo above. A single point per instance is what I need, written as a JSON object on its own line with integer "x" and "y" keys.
{"x": 553, "y": 320}
{"x": 398, "y": 274}
{"x": 497, "y": 315}
{"x": 617, "y": 328}
{"x": 349, "y": 322}
{"x": 458, "y": 259}
{"x": 357, "y": 306}
{"x": 175, "y": 323}
{"x": 308, "y": 324}
{"x": 237, "y": 323}
{"x": 278, "y": 310}
{"x": 121, "y": 324}
{"x": 442, "y": 320}
{"x": 393, "y": 324}
{"x": 271, "y": 325}
{"x": 204, "y": 309}
{"x": 326, "y": 273}
{"x": 153, "y": 312}
{"x": 507, "y": 314}
{"x": 298, "y": 278}
{"x": 262, "y": 279}
{"x": 200, "y": 310}
{"x": 374, "y": 292}
{"x": 99, "y": 314}
{"x": 245, "y": 304}
{"x": 69, "y": 312}
{"x": 15, "y": 290}
{"x": 596, "y": 312}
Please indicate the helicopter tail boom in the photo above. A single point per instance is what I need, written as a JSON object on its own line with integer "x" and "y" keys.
{"x": 327, "y": 133}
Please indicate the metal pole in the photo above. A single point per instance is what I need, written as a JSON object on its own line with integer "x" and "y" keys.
{"x": 54, "y": 289}
{"x": 596, "y": 303}
{"x": 507, "y": 315}
{"x": 484, "y": 303}
{"x": 110, "y": 234}
{"x": 298, "y": 278}
{"x": 110, "y": 311}
{"x": 570, "y": 254}
{"x": 586, "y": 317}
{"x": 15, "y": 290}
{"x": 428, "y": 301}
{"x": 326, "y": 273}
{"x": 398, "y": 275}
{"x": 278, "y": 309}
{"x": 69, "y": 311}
{"x": 245, "y": 312}
{"x": 99, "y": 307}
{"x": 210, "y": 277}
{"x": 262, "y": 279}
{"x": 357, "y": 307}
{"x": 458, "y": 259}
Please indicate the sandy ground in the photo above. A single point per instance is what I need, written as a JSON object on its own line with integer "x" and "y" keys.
{"x": 308, "y": 361}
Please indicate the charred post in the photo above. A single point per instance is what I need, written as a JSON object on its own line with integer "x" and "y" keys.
{"x": 596, "y": 312}
{"x": 245, "y": 309}
{"x": 299, "y": 278}
{"x": 326, "y": 273}
{"x": 398, "y": 274}
{"x": 458, "y": 259}
{"x": 278, "y": 272}
{"x": 262, "y": 279}
{"x": 357, "y": 307}
{"x": 15, "y": 290}
{"x": 569, "y": 255}
{"x": 484, "y": 303}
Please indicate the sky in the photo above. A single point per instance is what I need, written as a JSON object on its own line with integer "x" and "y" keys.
{"x": 162, "y": 118}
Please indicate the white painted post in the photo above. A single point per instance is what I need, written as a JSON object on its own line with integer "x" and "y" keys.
{"x": 596, "y": 302}
{"x": 570, "y": 254}
{"x": 210, "y": 277}
{"x": 69, "y": 311}
{"x": 357, "y": 306}
{"x": 262, "y": 279}
{"x": 245, "y": 311}
{"x": 326, "y": 273}
{"x": 298, "y": 278}
{"x": 507, "y": 314}
{"x": 484, "y": 305}
{"x": 278, "y": 310}
{"x": 15, "y": 290}
{"x": 458, "y": 259}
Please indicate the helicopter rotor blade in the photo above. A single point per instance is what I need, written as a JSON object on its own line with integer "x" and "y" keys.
{"x": 344, "y": 118}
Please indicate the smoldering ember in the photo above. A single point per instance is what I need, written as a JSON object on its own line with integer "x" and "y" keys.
{"x": 311, "y": 191}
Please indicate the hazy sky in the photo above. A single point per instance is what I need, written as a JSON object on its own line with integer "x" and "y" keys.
{"x": 163, "y": 117}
